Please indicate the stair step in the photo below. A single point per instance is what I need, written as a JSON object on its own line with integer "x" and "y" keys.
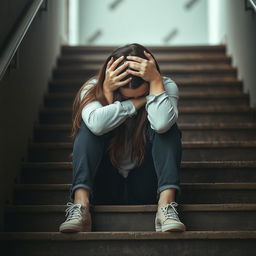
{"x": 130, "y": 243}
{"x": 201, "y": 217}
{"x": 191, "y": 193}
{"x": 190, "y": 132}
{"x": 96, "y": 50}
{"x": 66, "y": 86}
{"x": 186, "y": 114}
{"x": 185, "y": 100}
{"x": 192, "y": 151}
{"x": 175, "y": 72}
{"x": 187, "y": 59}
{"x": 208, "y": 171}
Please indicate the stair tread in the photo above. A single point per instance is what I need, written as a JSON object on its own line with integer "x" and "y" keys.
{"x": 171, "y": 68}
{"x": 160, "y": 58}
{"x": 135, "y": 208}
{"x": 184, "y": 164}
{"x": 138, "y": 235}
{"x": 195, "y": 109}
{"x": 196, "y": 126}
{"x": 179, "y": 81}
{"x": 172, "y": 49}
{"x": 217, "y": 185}
{"x": 185, "y": 144}
{"x": 189, "y": 95}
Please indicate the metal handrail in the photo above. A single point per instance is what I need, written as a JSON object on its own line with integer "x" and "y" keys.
{"x": 252, "y": 4}
{"x": 17, "y": 37}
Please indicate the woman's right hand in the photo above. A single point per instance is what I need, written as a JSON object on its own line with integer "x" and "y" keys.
{"x": 112, "y": 79}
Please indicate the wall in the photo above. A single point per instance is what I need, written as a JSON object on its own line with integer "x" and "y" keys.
{"x": 22, "y": 91}
{"x": 233, "y": 25}
{"x": 10, "y": 12}
{"x": 147, "y": 22}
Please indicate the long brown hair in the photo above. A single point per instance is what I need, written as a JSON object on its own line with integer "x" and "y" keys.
{"x": 133, "y": 128}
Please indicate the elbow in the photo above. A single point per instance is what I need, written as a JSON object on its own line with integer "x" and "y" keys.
{"x": 165, "y": 125}
{"x": 97, "y": 130}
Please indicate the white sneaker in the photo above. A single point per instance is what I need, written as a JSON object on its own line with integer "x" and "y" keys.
{"x": 78, "y": 220}
{"x": 167, "y": 219}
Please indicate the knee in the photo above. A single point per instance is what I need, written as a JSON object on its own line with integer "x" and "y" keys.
{"x": 173, "y": 132}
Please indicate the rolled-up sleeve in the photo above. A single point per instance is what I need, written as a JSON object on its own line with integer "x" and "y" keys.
{"x": 163, "y": 108}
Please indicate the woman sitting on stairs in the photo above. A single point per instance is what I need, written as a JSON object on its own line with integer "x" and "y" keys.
{"x": 127, "y": 145}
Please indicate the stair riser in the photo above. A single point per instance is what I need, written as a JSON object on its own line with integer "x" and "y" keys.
{"x": 65, "y": 118}
{"x": 135, "y": 247}
{"x": 175, "y": 75}
{"x": 189, "y": 196}
{"x": 187, "y": 135}
{"x": 67, "y": 103}
{"x": 62, "y": 62}
{"x": 216, "y": 88}
{"x": 64, "y": 176}
{"x": 196, "y": 154}
{"x": 206, "y": 51}
{"x": 106, "y": 222}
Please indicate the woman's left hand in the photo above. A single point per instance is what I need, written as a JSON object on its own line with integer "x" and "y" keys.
{"x": 146, "y": 69}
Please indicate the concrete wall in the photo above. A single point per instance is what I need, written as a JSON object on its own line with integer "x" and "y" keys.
{"x": 147, "y": 22}
{"x": 233, "y": 25}
{"x": 22, "y": 91}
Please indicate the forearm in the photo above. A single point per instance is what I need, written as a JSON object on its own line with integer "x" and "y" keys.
{"x": 101, "y": 120}
{"x": 109, "y": 96}
{"x": 156, "y": 86}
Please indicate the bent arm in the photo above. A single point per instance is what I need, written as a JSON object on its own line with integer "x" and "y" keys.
{"x": 102, "y": 119}
{"x": 162, "y": 108}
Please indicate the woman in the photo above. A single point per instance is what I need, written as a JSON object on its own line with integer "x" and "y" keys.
{"x": 127, "y": 145}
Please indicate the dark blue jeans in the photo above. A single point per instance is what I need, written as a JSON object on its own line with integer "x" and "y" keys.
{"x": 92, "y": 168}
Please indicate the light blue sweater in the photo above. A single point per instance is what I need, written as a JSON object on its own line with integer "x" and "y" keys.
{"x": 162, "y": 112}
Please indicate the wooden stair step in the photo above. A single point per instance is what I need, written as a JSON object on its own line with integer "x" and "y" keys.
{"x": 162, "y": 49}
{"x": 191, "y": 171}
{"x": 190, "y": 132}
{"x": 174, "y": 72}
{"x": 186, "y": 114}
{"x": 199, "y": 217}
{"x": 205, "y": 67}
{"x": 72, "y": 86}
{"x": 129, "y": 243}
{"x": 191, "y": 193}
{"x": 192, "y": 150}
{"x": 185, "y": 99}
{"x": 188, "y": 58}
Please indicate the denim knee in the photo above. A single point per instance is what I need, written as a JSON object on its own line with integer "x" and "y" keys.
{"x": 88, "y": 150}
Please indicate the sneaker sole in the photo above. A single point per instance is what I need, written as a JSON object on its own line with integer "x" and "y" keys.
{"x": 171, "y": 227}
{"x": 73, "y": 228}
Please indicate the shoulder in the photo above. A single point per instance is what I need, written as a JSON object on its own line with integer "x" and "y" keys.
{"x": 170, "y": 86}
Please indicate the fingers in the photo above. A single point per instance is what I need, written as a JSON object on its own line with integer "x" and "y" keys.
{"x": 119, "y": 84}
{"x": 110, "y": 62}
{"x": 119, "y": 69}
{"x": 116, "y": 62}
{"x": 122, "y": 75}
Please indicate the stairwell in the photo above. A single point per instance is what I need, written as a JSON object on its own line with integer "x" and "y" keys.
{"x": 218, "y": 203}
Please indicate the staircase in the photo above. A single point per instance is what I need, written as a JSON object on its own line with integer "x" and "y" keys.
{"x": 218, "y": 203}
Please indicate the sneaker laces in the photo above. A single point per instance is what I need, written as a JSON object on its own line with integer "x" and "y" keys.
{"x": 73, "y": 211}
{"x": 170, "y": 211}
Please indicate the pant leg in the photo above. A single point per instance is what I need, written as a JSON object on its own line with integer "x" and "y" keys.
{"x": 89, "y": 151}
{"x": 160, "y": 170}
{"x": 109, "y": 184}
